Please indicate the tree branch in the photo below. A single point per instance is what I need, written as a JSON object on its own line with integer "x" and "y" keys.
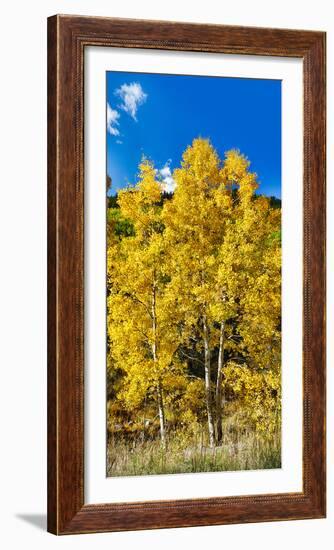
{"x": 135, "y": 299}
{"x": 191, "y": 358}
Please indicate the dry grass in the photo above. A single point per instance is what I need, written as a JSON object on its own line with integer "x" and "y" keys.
{"x": 239, "y": 451}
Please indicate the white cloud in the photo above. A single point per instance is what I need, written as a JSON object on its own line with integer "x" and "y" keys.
{"x": 132, "y": 96}
{"x": 112, "y": 121}
{"x": 165, "y": 171}
{"x": 119, "y": 141}
{"x": 168, "y": 182}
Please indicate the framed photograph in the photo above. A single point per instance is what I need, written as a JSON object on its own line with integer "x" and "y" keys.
{"x": 186, "y": 274}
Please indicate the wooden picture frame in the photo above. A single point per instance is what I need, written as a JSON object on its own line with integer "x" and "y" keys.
{"x": 67, "y": 38}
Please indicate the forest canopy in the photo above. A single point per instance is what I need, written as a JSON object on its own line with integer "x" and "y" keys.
{"x": 193, "y": 319}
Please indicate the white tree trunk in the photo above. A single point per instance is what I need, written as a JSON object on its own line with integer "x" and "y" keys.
{"x": 207, "y": 367}
{"x": 155, "y": 358}
{"x": 161, "y": 417}
{"x": 219, "y": 395}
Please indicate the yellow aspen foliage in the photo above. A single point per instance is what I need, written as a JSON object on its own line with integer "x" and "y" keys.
{"x": 194, "y": 297}
{"x": 143, "y": 334}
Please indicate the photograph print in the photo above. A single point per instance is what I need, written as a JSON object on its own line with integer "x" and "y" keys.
{"x": 193, "y": 210}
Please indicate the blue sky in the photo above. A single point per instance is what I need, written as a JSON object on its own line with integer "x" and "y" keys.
{"x": 159, "y": 116}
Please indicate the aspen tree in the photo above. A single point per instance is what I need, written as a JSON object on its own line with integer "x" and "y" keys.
{"x": 141, "y": 328}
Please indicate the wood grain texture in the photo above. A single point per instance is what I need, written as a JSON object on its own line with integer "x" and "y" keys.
{"x": 67, "y": 38}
